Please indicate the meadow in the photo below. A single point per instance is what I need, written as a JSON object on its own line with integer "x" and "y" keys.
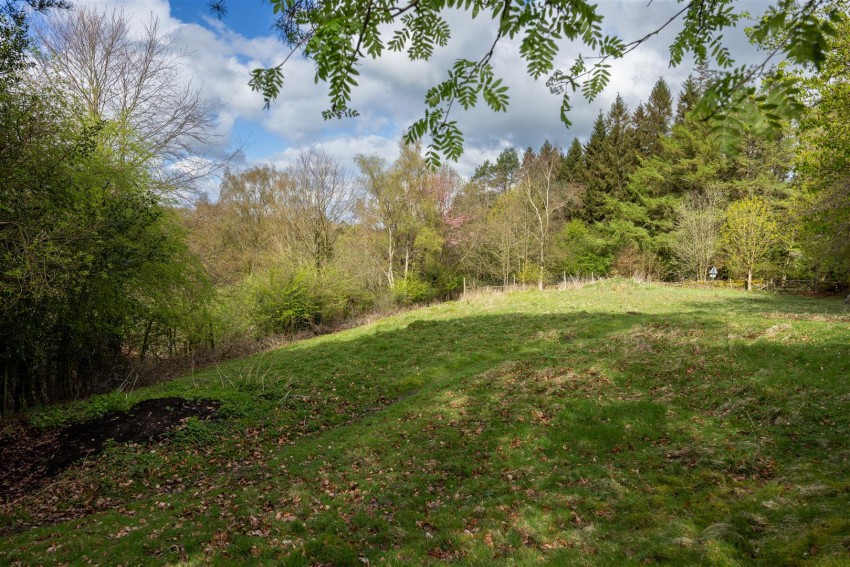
{"x": 620, "y": 423}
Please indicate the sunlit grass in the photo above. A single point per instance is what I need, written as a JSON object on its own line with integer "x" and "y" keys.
{"x": 615, "y": 424}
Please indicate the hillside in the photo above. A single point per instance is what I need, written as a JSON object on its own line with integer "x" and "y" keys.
{"x": 615, "y": 424}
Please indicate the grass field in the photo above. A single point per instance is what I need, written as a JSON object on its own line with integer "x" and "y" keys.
{"x": 618, "y": 424}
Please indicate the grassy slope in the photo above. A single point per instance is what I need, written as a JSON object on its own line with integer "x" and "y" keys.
{"x": 614, "y": 424}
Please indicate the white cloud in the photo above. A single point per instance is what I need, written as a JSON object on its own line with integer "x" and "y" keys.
{"x": 343, "y": 148}
{"x": 139, "y": 12}
{"x": 392, "y": 90}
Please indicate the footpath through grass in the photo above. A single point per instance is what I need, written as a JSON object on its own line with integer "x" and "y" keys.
{"x": 616, "y": 424}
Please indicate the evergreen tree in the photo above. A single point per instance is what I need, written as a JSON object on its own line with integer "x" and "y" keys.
{"x": 573, "y": 165}
{"x": 659, "y": 112}
{"x": 506, "y": 169}
{"x": 500, "y": 176}
{"x": 548, "y": 150}
{"x": 705, "y": 76}
{"x": 688, "y": 99}
{"x": 594, "y": 176}
{"x": 619, "y": 149}
{"x": 484, "y": 174}
{"x": 642, "y": 132}
{"x": 610, "y": 158}
{"x": 528, "y": 158}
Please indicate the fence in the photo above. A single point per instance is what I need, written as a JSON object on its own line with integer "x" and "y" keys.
{"x": 471, "y": 288}
{"x": 574, "y": 282}
{"x": 788, "y": 286}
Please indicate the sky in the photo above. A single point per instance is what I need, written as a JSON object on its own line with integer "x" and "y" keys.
{"x": 221, "y": 53}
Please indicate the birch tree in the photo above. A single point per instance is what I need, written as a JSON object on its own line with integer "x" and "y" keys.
{"x": 544, "y": 194}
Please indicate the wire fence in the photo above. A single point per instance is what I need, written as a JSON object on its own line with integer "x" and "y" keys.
{"x": 471, "y": 288}
{"x": 827, "y": 287}
{"x": 818, "y": 287}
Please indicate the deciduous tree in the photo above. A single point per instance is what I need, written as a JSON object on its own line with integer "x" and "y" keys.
{"x": 136, "y": 83}
{"x": 749, "y": 235}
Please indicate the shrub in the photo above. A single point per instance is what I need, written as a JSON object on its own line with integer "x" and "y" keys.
{"x": 413, "y": 290}
{"x": 284, "y": 303}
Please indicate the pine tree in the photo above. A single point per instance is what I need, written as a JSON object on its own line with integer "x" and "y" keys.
{"x": 659, "y": 112}
{"x": 644, "y": 140}
{"x": 572, "y": 167}
{"x": 500, "y": 176}
{"x": 705, "y": 76}
{"x": 619, "y": 152}
{"x": 688, "y": 99}
{"x": 595, "y": 175}
{"x": 506, "y": 169}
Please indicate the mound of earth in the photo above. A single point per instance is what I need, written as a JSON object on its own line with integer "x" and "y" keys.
{"x": 31, "y": 457}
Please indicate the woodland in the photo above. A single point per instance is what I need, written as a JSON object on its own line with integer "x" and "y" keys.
{"x": 620, "y": 348}
{"x": 113, "y": 260}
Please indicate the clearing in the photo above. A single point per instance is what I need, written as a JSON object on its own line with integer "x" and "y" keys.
{"x": 615, "y": 424}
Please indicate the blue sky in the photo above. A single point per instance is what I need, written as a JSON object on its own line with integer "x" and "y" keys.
{"x": 219, "y": 55}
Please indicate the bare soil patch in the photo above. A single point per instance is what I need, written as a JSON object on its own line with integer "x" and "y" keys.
{"x": 31, "y": 457}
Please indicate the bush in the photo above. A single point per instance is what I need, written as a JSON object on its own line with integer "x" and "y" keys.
{"x": 581, "y": 250}
{"x": 446, "y": 282}
{"x": 529, "y": 274}
{"x": 632, "y": 262}
{"x": 284, "y": 303}
{"x": 337, "y": 298}
{"x": 413, "y": 290}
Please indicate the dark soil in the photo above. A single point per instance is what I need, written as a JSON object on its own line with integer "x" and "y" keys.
{"x": 31, "y": 457}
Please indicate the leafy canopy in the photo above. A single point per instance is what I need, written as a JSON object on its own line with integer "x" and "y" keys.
{"x": 338, "y": 34}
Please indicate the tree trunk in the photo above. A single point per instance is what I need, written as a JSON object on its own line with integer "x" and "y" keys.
{"x": 145, "y": 341}
{"x": 5, "y": 407}
{"x": 390, "y": 258}
{"x": 542, "y": 261}
{"x": 749, "y": 280}
{"x": 406, "y": 260}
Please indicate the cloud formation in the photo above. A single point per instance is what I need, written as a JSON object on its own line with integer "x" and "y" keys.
{"x": 392, "y": 90}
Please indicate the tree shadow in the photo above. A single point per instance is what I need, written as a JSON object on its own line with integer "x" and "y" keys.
{"x": 560, "y": 436}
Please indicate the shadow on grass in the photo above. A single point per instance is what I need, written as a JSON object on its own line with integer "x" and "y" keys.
{"x": 581, "y": 437}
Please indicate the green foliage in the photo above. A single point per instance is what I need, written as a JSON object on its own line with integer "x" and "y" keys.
{"x": 268, "y": 82}
{"x": 529, "y": 273}
{"x": 583, "y": 251}
{"x": 284, "y": 303}
{"x": 823, "y": 162}
{"x": 413, "y": 290}
{"x": 652, "y": 121}
{"x": 337, "y": 35}
{"x": 664, "y": 417}
{"x": 801, "y": 32}
{"x": 502, "y": 175}
{"x": 749, "y": 235}
{"x": 94, "y": 267}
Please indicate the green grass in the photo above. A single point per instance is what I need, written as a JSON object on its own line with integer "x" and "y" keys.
{"x": 616, "y": 424}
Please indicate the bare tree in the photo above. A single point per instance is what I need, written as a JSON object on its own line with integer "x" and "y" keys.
{"x": 697, "y": 236}
{"x": 316, "y": 206}
{"x": 377, "y": 209}
{"x": 545, "y": 194}
{"x": 135, "y": 82}
{"x": 509, "y": 234}
{"x": 236, "y": 235}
